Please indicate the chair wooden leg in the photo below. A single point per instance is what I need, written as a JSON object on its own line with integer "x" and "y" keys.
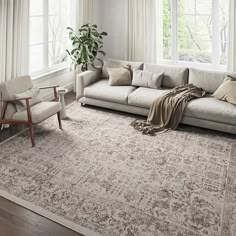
{"x": 31, "y": 130}
{"x": 3, "y": 112}
{"x": 59, "y": 119}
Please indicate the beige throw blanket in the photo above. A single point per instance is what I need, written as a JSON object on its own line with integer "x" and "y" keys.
{"x": 166, "y": 111}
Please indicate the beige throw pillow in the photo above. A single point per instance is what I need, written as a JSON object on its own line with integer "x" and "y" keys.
{"x": 21, "y": 105}
{"x": 119, "y": 76}
{"x": 227, "y": 90}
{"x": 147, "y": 79}
{"x": 111, "y": 63}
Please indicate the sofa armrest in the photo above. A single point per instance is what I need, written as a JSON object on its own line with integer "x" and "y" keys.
{"x": 83, "y": 80}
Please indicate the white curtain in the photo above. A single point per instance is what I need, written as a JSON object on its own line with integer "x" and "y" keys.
{"x": 142, "y": 30}
{"x": 85, "y": 12}
{"x": 14, "y": 28}
{"x": 232, "y": 37}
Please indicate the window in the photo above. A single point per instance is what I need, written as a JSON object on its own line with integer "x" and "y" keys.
{"x": 195, "y": 31}
{"x": 48, "y": 36}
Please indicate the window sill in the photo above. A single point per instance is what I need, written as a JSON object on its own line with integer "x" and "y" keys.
{"x": 203, "y": 66}
{"x": 50, "y": 74}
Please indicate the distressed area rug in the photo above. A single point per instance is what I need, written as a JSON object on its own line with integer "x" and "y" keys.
{"x": 101, "y": 177}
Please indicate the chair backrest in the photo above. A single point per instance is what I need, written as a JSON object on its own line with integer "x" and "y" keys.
{"x": 12, "y": 87}
{"x": 15, "y": 86}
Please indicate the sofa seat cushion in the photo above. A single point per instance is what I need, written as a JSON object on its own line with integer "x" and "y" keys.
{"x": 211, "y": 109}
{"x": 103, "y": 91}
{"x": 39, "y": 112}
{"x": 144, "y": 97}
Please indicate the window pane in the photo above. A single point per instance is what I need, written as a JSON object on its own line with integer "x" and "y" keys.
{"x": 203, "y": 50}
{"x": 59, "y": 19}
{"x": 57, "y": 53}
{"x": 59, "y": 7}
{"x": 204, "y": 7}
{"x": 166, "y": 42}
{"x": 204, "y": 25}
{"x": 36, "y": 30}
{"x": 186, "y": 7}
{"x": 36, "y": 58}
{"x": 36, "y": 7}
{"x": 195, "y": 31}
{"x": 48, "y": 34}
{"x": 224, "y": 27}
{"x": 195, "y": 22}
{"x": 57, "y": 27}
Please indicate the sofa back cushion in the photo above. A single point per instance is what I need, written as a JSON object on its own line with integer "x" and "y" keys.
{"x": 207, "y": 80}
{"x": 147, "y": 79}
{"x": 111, "y": 63}
{"x": 173, "y": 75}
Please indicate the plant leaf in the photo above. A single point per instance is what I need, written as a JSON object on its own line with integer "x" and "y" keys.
{"x": 104, "y": 34}
{"x": 102, "y": 52}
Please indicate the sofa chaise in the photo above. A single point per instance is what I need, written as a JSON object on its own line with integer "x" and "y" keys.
{"x": 92, "y": 88}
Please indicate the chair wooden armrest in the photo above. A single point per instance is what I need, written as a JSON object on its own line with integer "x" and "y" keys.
{"x": 17, "y": 99}
{"x": 54, "y": 87}
{"x": 48, "y": 87}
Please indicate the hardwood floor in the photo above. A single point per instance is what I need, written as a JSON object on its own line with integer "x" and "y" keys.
{"x": 18, "y": 221}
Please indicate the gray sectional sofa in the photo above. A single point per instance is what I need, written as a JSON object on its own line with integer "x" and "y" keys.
{"x": 92, "y": 88}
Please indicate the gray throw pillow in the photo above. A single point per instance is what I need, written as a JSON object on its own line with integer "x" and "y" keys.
{"x": 21, "y": 105}
{"x": 119, "y": 76}
{"x": 227, "y": 90}
{"x": 147, "y": 79}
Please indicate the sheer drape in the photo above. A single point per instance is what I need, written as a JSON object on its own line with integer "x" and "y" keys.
{"x": 232, "y": 37}
{"x": 85, "y": 12}
{"x": 14, "y": 28}
{"x": 142, "y": 35}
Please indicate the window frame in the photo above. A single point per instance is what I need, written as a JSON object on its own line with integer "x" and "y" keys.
{"x": 215, "y": 40}
{"x": 46, "y": 68}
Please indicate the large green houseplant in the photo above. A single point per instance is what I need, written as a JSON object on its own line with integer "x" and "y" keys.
{"x": 87, "y": 43}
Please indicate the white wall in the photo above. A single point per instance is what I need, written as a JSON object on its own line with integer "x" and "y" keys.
{"x": 112, "y": 16}
{"x": 63, "y": 78}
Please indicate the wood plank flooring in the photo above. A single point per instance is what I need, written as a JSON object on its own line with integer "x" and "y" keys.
{"x": 18, "y": 221}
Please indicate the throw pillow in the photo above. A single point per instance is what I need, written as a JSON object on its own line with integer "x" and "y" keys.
{"x": 227, "y": 90}
{"x": 111, "y": 63}
{"x": 21, "y": 105}
{"x": 119, "y": 76}
{"x": 147, "y": 79}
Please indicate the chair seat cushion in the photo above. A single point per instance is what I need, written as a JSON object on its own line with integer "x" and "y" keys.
{"x": 35, "y": 98}
{"x": 144, "y": 97}
{"x": 103, "y": 91}
{"x": 211, "y": 109}
{"x": 39, "y": 112}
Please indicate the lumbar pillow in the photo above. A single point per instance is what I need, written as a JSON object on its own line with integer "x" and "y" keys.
{"x": 119, "y": 76}
{"x": 147, "y": 79}
{"x": 227, "y": 90}
{"x": 21, "y": 105}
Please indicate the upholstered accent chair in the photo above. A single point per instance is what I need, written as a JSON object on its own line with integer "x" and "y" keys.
{"x": 22, "y": 105}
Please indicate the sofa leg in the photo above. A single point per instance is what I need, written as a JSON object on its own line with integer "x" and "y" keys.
{"x": 59, "y": 119}
{"x": 31, "y": 130}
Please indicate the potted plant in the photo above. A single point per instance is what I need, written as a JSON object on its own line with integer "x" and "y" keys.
{"x": 87, "y": 43}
